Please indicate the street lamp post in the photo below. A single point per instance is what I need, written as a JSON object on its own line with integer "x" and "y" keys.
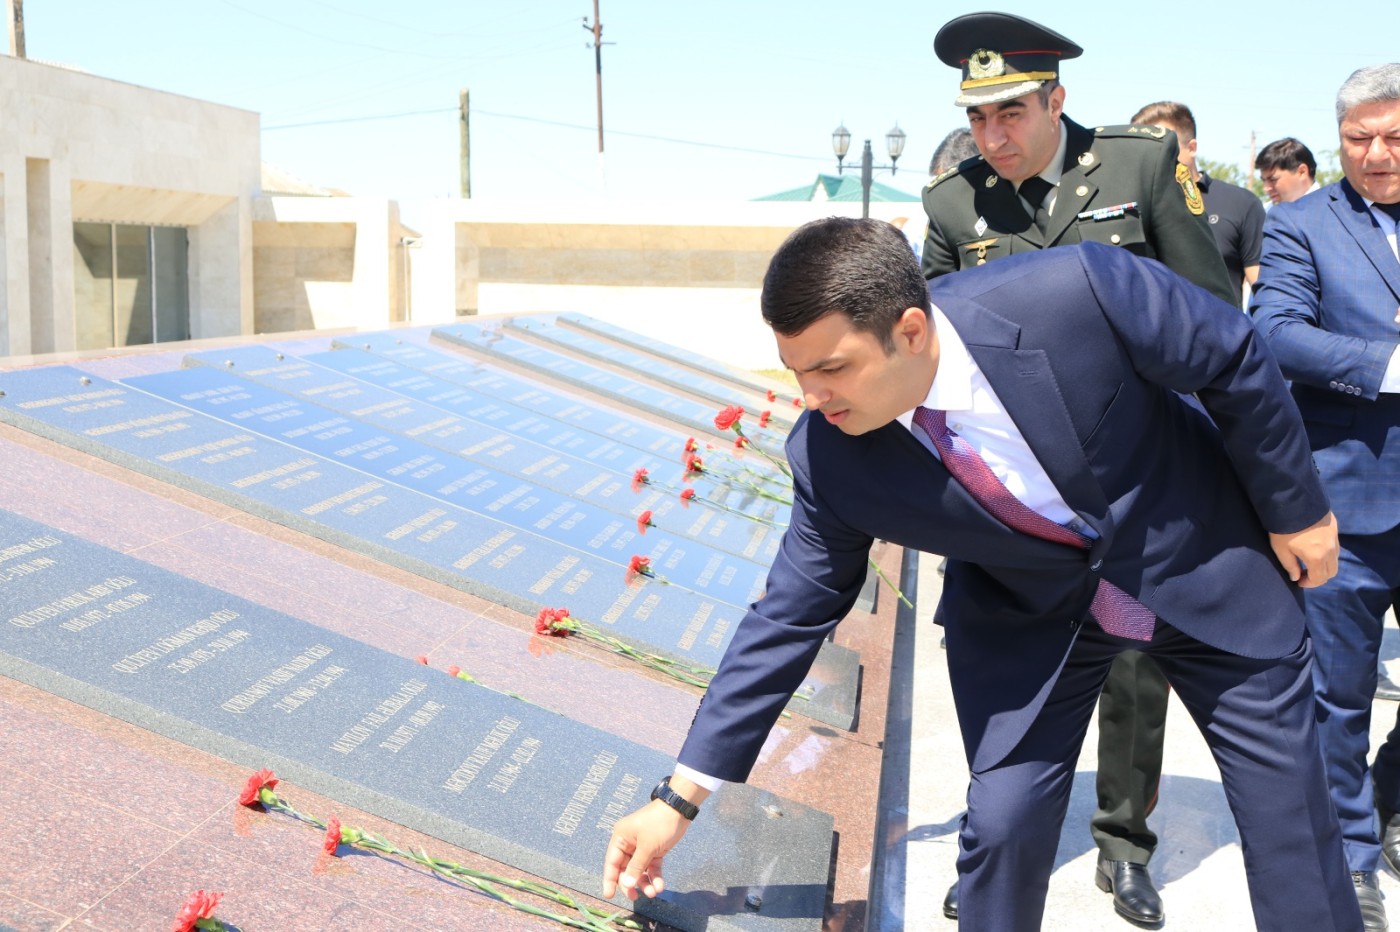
{"x": 841, "y": 144}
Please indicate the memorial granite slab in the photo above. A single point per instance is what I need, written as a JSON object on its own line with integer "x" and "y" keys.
{"x": 581, "y": 466}
{"x": 718, "y": 369}
{"x": 474, "y": 767}
{"x": 545, "y": 328}
{"x": 494, "y": 341}
{"x": 445, "y": 542}
{"x": 609, "y": 415}
{"x": 560, "y": 499}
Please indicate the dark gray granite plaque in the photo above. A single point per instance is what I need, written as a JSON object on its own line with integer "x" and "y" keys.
{"x": 741, "y": 378}
{"x": 561, "y": 499}
{"x": 423, "y": 534}
{"x": 494, "y": 340}
{"x": 544, "y": 328}
{"x": 409, "y": 365}
{"x": 494, "y": 774}
{"x": 577, "y": 465}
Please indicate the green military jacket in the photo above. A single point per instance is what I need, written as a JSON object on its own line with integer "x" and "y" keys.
{"x": 1122, "y": 186}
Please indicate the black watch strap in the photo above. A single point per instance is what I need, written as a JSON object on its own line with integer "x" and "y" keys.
{"x": 675, "y": 800}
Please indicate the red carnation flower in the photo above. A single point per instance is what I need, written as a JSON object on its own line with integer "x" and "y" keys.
{"x": 797, "y": 402}
{"x": 741, "y": 442}
{"x": 644, "y": 522}
{"x": 771, "y": 397}
{"x": 421, "y": 658}
{"x": 252, "y": 790}
{"x": 553, "y": 622}
{"x": 638, "y": 566}
{"x": 764, "y": 418}
{"x": 332, "y": 839}
{"x": 693, "y": 464}
{"x": 728, "y": 417}
{"x": 691, "y": 446}
{"x": 453, "y": 670}
{"x": 687, "y": 495}
{"x": 639, "y": 479}
{"x": 200, "y": 905}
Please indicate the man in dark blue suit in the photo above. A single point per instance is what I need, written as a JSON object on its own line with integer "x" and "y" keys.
{"x": 1327, "y": 303}
{"x": 1061, "y": 374}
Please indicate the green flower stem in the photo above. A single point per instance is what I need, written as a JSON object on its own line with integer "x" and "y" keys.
{"x": 686, "y": 673}
{"x": 782, "y": 467}
{"x": 745, "y": 483}
{"x": 713, "y": 503}
{"x": 881, "y": 573}
{"x": 485, "y": 882}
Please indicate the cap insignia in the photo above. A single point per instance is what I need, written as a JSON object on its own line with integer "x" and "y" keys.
{"x": 985, "y": 63}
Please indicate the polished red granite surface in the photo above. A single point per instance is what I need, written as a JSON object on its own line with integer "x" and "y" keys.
{"x": 111, "y": 826}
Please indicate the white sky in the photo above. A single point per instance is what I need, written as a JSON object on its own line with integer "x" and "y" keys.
{"x": 716, "y": 100}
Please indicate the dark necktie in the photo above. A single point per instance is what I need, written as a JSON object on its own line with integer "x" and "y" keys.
{"x": 1116, "y": 612}
{"x": 1393, "y": 210}
{"x": 1035, "y": 191}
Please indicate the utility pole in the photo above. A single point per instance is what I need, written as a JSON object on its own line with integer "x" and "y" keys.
{"x": 597, "y": 29}
{"x": 16, "y": 10}
{"x": 464, "y": 103}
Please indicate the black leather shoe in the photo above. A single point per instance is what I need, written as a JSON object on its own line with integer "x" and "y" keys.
{"x": 950, "y": 902}
{"x": 1368, "y": 897}
{"x": 1386, "y": 688}
{"x": 1390, "y": 837}
{"x": 1134, "y": 896}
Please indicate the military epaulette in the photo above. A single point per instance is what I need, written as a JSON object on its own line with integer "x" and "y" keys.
{"x": 964, "y": 165}
{"x": 1126, "y": 131}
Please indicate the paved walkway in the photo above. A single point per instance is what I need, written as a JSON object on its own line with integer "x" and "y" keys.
{"x": 1198, "y": 864}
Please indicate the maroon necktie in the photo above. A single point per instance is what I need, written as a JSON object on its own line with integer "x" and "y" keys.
{"x": 1116, "y": 612}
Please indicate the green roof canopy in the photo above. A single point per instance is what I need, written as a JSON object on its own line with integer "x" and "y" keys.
{"x": 840, "y": 188}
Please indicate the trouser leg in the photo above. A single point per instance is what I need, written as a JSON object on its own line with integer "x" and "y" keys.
{"x": 1016, "y": 808}
{"x": 1257, "y": 718}
{"x": 1132, "y": 727}
{"x": 1345, "y": 619}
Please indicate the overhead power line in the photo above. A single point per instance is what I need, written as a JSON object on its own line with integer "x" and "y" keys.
{"x": 578, "y": 126}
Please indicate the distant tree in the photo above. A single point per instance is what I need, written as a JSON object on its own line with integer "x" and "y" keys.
{"x": 1328, "y": 167}
{"x": 1231, "y": 173}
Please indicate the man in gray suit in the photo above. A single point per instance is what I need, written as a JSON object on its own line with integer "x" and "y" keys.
{"x": 1327, "y": 302}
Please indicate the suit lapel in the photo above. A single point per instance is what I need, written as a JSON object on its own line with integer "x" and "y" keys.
{"x": 1076, "y": 188}
{"x": 1027, "y": 388}
{"x": 1356, "y": 217}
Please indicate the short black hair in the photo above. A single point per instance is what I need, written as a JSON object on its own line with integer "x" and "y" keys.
{"x": 1286, "y": 155}
{"x": 863, "y": 269}
{"x": 956, "y": 147}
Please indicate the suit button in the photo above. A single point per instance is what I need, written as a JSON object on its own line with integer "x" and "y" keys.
{"x": 1096, "y": 565}
{"x": 1115, "y": 239}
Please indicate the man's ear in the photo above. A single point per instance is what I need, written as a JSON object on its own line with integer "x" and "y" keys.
{"x": 1056, "y": 104}
{"x": 911, "y": 331}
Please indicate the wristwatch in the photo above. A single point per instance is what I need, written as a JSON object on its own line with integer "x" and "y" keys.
{"x": 675, "y": 800}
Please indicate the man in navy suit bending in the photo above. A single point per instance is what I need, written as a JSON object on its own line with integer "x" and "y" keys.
{"x": 1329, "y": 305}
{"x": 1118, "y": 515}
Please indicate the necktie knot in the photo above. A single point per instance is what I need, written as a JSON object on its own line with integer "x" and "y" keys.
{"x": 1035, "y": 190}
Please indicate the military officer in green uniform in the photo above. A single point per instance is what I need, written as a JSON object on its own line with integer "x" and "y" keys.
{"x": 1042, "y": 180}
